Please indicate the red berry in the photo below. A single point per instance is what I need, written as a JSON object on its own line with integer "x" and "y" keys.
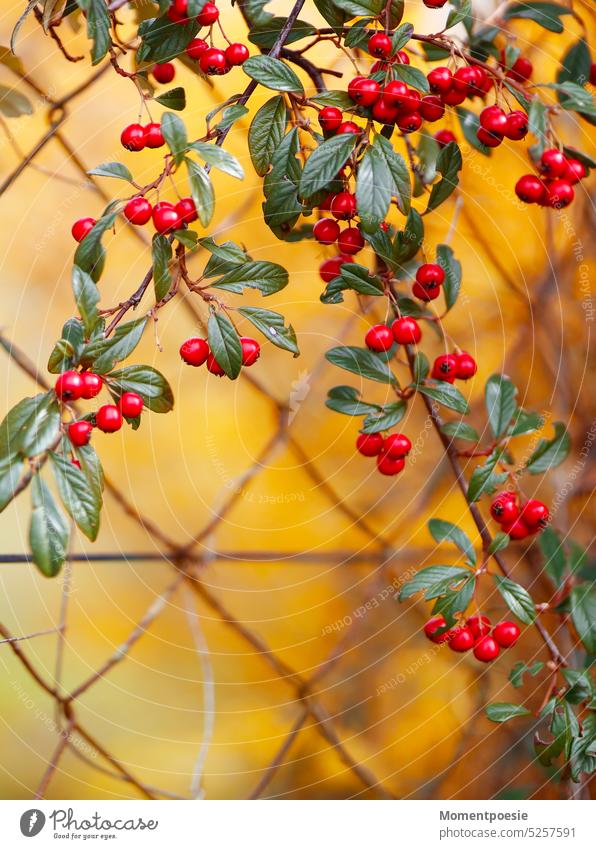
{"x": 462, "y": 640}
{"x": 379, "y": 45}
{"x": 478, "y": 625}
{"x": 69, "y": 386}
{"x": 75, "y": 462}
{"x": 575, "y": 171}
{"x": 444, "y": 137}
{"x": 434, "y": 4}
{"x": 108, "y": 418}
{"x": 504, "y": 508}
{"x": 326, "y": 231}
{"x": 401, "y": 57}
{"x": 343, "y": 206}
{"x": 236, "y": 54}
{"x": 178, "y": 11}
{"x": 394, "y": 94}
{"x": 82, "y": 228}
{"x": 465, "y": 80}
{"x": 79, "y": 433}
{"x": 384, "y": 113}
{"x": 406, "y": 331}
{"x": 164, "y": 73}
{"x": 133, "y": 137}
{"x": 154, "y": 136}
{"x": 560, "y": 194}
{"x": 436, "y": 624}
{"x": 411, "y": 101}
{"x": 535, "y": 514}
{"x": 251, "y": 350}
{"x": 330, "y": 119}
{"x": 92, "y": 385}
{"x": 453, "y": 97}
{"x": 466, "y": 366}
{"x": 353, "y": 86}
{"x": 138, "y": 211}
{"x": 432, "y": 108}
{"x": 409, "y": 123}
{"x": 397, "y": 446}
{"x": 553, "y": 163}
{"x": 517, "y": 125}
{"x": 445, "y": 368}
{"x": 430, "y": 273}
{"x": 493, "y": 119}
{"x": 196, "y": 48}
{"x": 521, "y": 70}
{"x": 486, "y": 650}
{"x": 348, "y": 127}
{"x": 194, "y": 351}
{"x": 516, "y": 529}
{"x": 186, "y": 210}
{"x": 530, "y": 189}
{"x": 213, "y": 61}
{"x": 369, "y": 444}
{"x": 331, "y": 268}
{"x": 366, "y": 92}
{"x": 351, "y": 241}
{"x": 593, "y": 73}
{"x": 131, "y": 405}
{"x": 506, "y": 634}
{"x": 209, "y": 15}
{"x": 440, "y": 80}
{"x": 488, "y": 138}
{"x": 390, "y": 465}
{"x": 379, "y": 338}
{"x": 214, "y": 367}
{"x": 427, "y": 292}
{"x": 165, "y": 217}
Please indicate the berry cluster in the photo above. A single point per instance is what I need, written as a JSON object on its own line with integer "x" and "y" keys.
{"x": 519, "y": 520}
{"x": 327, "y": 231}
{"x": 196, "y": 351}
{"x": 554, "y": 186}
{"x": 457, "y": 366}
{"x": 404, "y": 331}
{"x": 391, "y": 451}
{"x": 212, "y": 60}
{"x": 476, "y": 634}
{"x": 136, "y": 137}
{"x": 496, "y": 124}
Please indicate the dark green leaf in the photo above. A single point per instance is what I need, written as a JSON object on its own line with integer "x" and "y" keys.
{"x": 267, "y": 277}
{"x": 445, "y": 394}
{"x": 161, "y": 253}
{"x": 324, "y": 163}
{"x": 147, "y": 382}
{"x": 175, "y": 98}
{"x": 411, "y": 76}
{"x": 401, "y": 187}
{"x": 554, "y": 556}
{"x": 449, "y": 164}
{"x": 346, "y": 400}
{"x": 225, "y": 344}
{"x": 103, "y": 354}
{"x": 341, "y": 99}
{"x": 174, "y": 133}
{"x": 90, "y": 254}
{"x": 266, "y": 132}
{"x": 202, "y": 191}
{"x": 163, "y": 40}
{"x": 451, "y": 603}
{"x": 500, "y": 541}
{"x": 355, "y": 277}
{"x": 386, "y": 418}
{"x": 11, "y": 469}
{"x": 98, "y": 27}
{"x": 219, "y": 158}
{"x": 457, "y": 15}
{"x": 86, "y": 295}
{"x": 421, "y": 367}
{"x": 272, "y": 73}
{"x": 408, "y": 242}
{"x": 112, "y": 169}
{"x": 517, "y": 599}
{"x": 516, "y": 676}
{"x": 500, "y": 395}
{"x": 441, "y": 530}
{"x": 428, "y": 578}
{"x": 452, "y": 268}
{"x": 360, "y": 7}
{"x": 460, "y": 430}
{"x": 583, "y": 614}
{"x": 272, "y": 326}
{"x": 232, "y": 114}
{"x": 469, "y": 123}
{"x": 360, "y": 361}
{"x": 31, "y": 426}
{"x": 548, "y": 15}
{"x": 525, "y": 422}
{"x": 80, "y": 500}
{"x": 484, "y": 479}
{"x": 575, "y": 65}
{"x": 48, "y": 531}
{"x": 502, "y": 711}
{"x": 373, "y": 189}
{"x": 550, "y": 453}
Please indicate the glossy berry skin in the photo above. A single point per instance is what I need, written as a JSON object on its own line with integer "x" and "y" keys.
{"x": 194, "y": 351}
{"x": 444, "y": 137}
{"x": 521, "y": 70}
{"x": 108, "y": 418}
{"x": 379, "y": 338}
{"x": 445, "y": 368}
{"x": 406, "y": 331}
{"x": 504, "y": 508}
{"x": 186, "y": 210}
{"x": 553, "y": 163}
{"x": 164, "y": 73}
{"x": 330, "y": 119}
{"x": 411, "y": 101}
{"x": 434, "y": 4}
{"x": 409, "y": 123}
{"x": 517, "y": 125}
{"x": 517, "y": 530}
{"x": 326, "y": 231}
{"x": 196, "y": 48}
{"x": 465, "y": 80}
{"x": 435, "y": 624}
{"x": 92, "y": 385}
{"x": 535, "y": 514}
{"x": 429, "y": 273}
{"x": 530, "y": 189}
{"x": 384, "y": 113}
{"x": 493, "y": 119}
{"x": 79, "y": 433}
{"x": 138, "y": 211}
{"x": 379, "y": 45}
{"x": 331, "y": 268}
{"x": 165, "y": 218}
{"x": 466, "y": 366}
{"x": 390, "y": 465}
{"x": 401, "y": 57}
{"x": 394, "y": 94}
{"x": 397, "y": 446}
{"x": 486, "y": 649}
{"x": 251, "y": 350}
{"x": 214, "y": 367}
{"x": 440, "y": 80}
{"x": 131, "y": 405}
{"x": 213, "y": 61}
{"x": 488, "y": 138}
{"x": 154, "y": 136}
{"x": 133, "y": 137}
{"x": 82, "y": 228}
{"x": 343, "y": 206}
{"x": 431, "y": 108}
{"x": 462, "y": 640}
{"x": 366, "y": 92}
{"x": 348, "y": 127}
{"x": 369, "y": 444}
{"x": 506, "y": 634}
{"x": 575, "y": 171}
{"x": 178, "y": 11}
{"x": 560, "y": 194}
{"x": 351, "y": 241}
{"x": 479, "y": 626}
{"x": 426, "y": 293}
{"x": 69, "y": 386}
{"x": 236, "y": 54}
{"x": 453, "y": 97}
{"x": 209, "y": 15}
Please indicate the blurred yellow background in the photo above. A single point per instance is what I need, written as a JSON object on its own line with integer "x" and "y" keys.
{"x": 193, "y": 688}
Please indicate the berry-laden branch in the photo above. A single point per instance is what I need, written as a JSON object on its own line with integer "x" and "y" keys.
{"x": 360, "y": 169}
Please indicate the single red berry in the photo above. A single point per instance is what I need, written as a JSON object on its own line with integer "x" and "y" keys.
{"x": 213, "y": 61}
{"x": 331, "y": 268}
{"x": 465, "y": 80}
{"x": 196, "y": 48}
{"x": 406, "y": 331}
{"x": 178, "y": 11}
{"x": 575, "y": 171}
{"x": 351, "y": 241}
{"x": 394, "y": 94}
{"x": 164, "y": 72}
{"x": 108, "y": 418}
{"x": 133, "y": 137}
{"x": 462, "y": 640}
{"x": 530, "y": 189}
{"x": 348, "y": 127}
{"x": 384, "y": 113}
{"x": 79, "y": 433}
{"x": 251, "y": 350}
{"x": 517, "y": 125}
{"x": 426, "y": 292}
{"x": 326, "y": 231}
{"x": 330, "y": 119}
{"x": 369, "y": 444}
{"x": 379, "y": 45}
{"x": 410, "y": 122}
{"x": 466, "y": 366}
{"x": 401, "y": 57}
{"x": 343, "y": 206}
{"x": 69, "y": 386}
{"x": 479, "y": 80}
{"x": 165, "y": 217}
{"x": 352, "y": 86}
{"x": 365, "y": 91}
{"x": 478, "y": 625}
{"x": 440, "y": 80}
{"x": 379, "y": 338}
{"x": 506, "y": 634}
{"x": 154, "y": 136}
{"x": 445, "y": 368}
{"x": 214, "y": 367}
{"x": 486, "y": 649}
{"x": 389, "y": 465}
{"x": 453, "y": 97}
{"x": 397, "y": 446}
{"x": 194, "y": 351}
{"x": 208, "y": 15}
{"x": 516, "y": 529}
{"x": 488, "y": 138}
{"x": 432, "y": 108}
{"x": 444, "y": 137}
{"x": 411, "y": 101}
{"x": 82, "y": 228}
{"x": 236, "y": 54}
{"x": 553, "y": 163}
{"x": 92, "y": 385}
{"x": 504, "y": 508}
{"x": 186, "y": 210}
{"x": 430, "y": 273}
{"x": 131, "y": 405}
{"x": 434, "y": 4}
{"x": 560, "y": 194}
{"x": 437, "y": 623}
{"x": 535, "y": 514}
{"x": 521, "y": 70}
{"x": 493, "y": 119}
{"x": 138, "y": 211}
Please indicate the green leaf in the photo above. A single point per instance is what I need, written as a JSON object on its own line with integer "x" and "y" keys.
{"x": 103, "y": 354}
{"x": 48, "y": 531}
{"x": 360, "y": 7}
{"x": 324, "y": 163}
{"x": 452, "y": 268}
{"x": 402, "y": 34}
{"x": 266, "y": 132}
{"x": 516, "y": 676}
{"x": 31, "y": 426}
{"x": 174, "y": 133}
{"x": 453, "y": 602}
{"x": 469, "y": 123}
{"x": 147, "y": 382}
{"x": 341, "y": 99}
{"x": 431, "y": 577}
{"x": 517, "y": 598}
{"x": 580, "y": 686}
{"x": 554, "y": 555}
{"x": 441, "y": 530}
{"x": 412, "y": 77}
{"x": 449, "y": 164}
{"x": 346, "y": 400}
{"x": 219, "y": 158}
{"x": 409, "y": 241}
{"x": 373, "y": 189}
{"x": 525, "y": 422}
{"x": 161, "y": 254}
{"x": 86, "y": 295}
{"x": 162, "y": 40}
{"x": 575, "y": 64}
{"x": 225, "y": 344}
{"x": 266, "y": 35}
{"x": 98, "y": 27}
{"x": 386, "y": 418}
{"x": 232, "y": 114}
{"x": 90, "y": 254}
{"x": 92, "y": 469}
{"x": 267, "y": 277}
{"x": 457, "y": 15}
{"x": 502, "y": 711}
{"x": 460, "y": 430}
{"x": 360, "y": 361}
{"x": 272, "y": 73}
{"x": 445, "y": 394}
{"x": 82, "y": 503}
{"x": 538, "y": 123}
{"x": 420, "y": 367}
{"x": 272, "y": 326}
{"x": 500, "y": 541}
{"x": 583, "y": 614}
{"x": 500, "y": 395}
{"x": 202, "y": 192}
{"x": 484, "y": 479}
{"x": 548, "y": 15}
{"x": 11, "y": 469}
{"x": 575, "y": 98}
{"x": 175, "y": 99}
{"x": 401, "y": 187}
{"x": 355, "y": 277}
{"x": 224, "y": 257}
{"x": 112, "y": 169}
{"x": 550, "y": 453}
